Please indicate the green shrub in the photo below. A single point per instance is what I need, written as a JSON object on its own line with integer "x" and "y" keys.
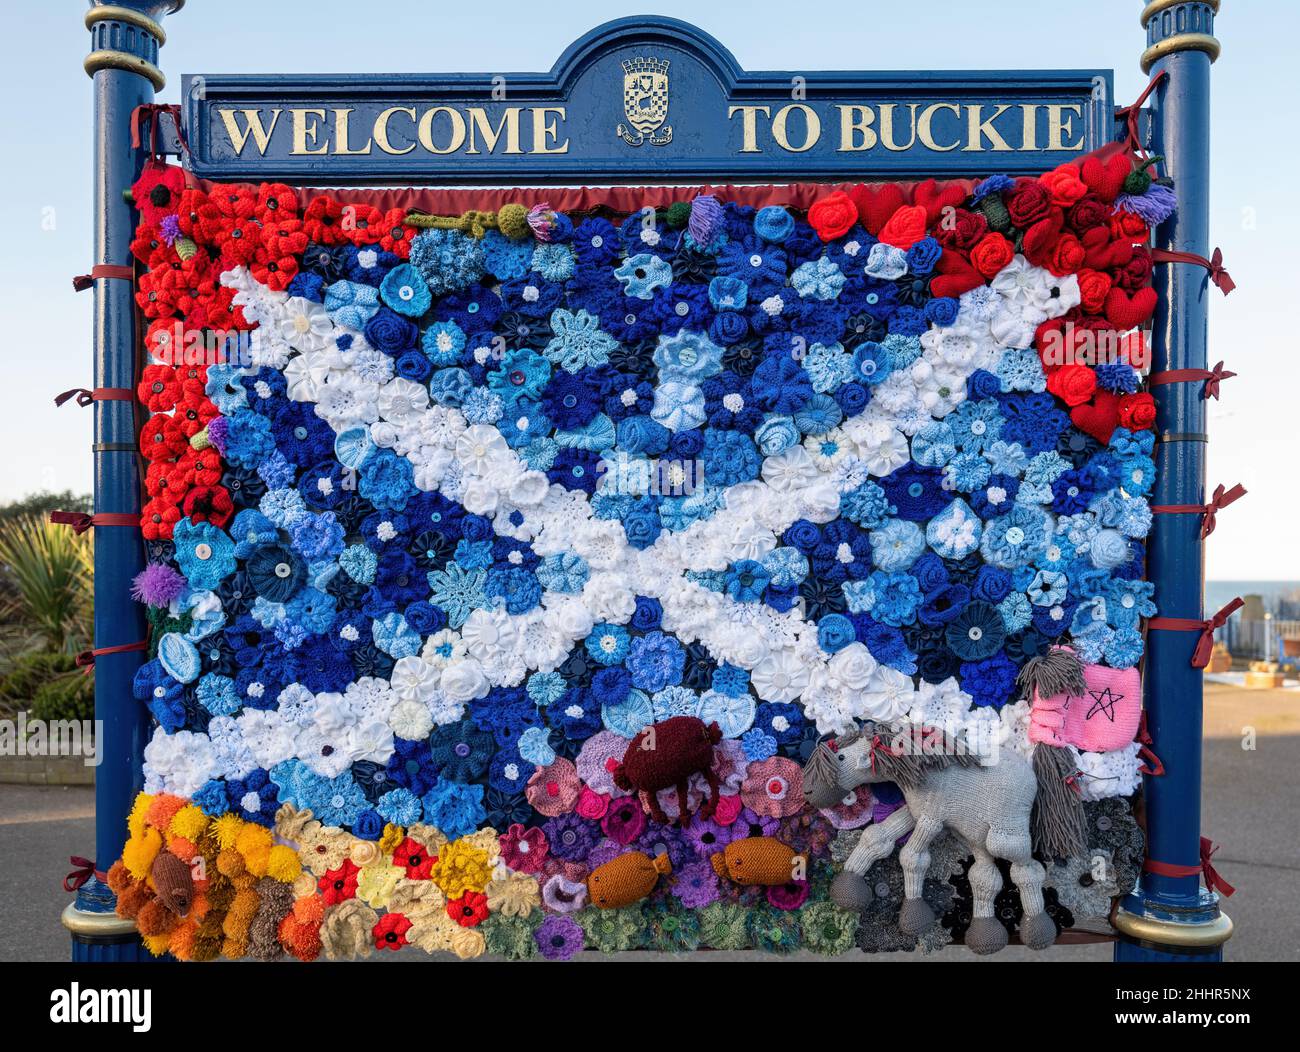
{"x": 49, "y": 687}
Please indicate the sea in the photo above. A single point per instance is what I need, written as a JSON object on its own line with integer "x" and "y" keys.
{"x": 1282, "y": 598}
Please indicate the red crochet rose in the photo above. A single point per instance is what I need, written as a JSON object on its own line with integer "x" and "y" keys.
{"x": 905, "y": 227}
{"x": 833, "y": 215}
{"x": 991, "y": 254}
{"x": 1137, "y": 412}
{"x": 1072, "y": 384}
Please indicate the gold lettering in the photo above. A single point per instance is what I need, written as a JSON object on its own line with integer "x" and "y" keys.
{"x": 544, "y": 131}
{"x": 749, "y": 125}
{"x": 425, "y": 130}
{"x": 924, "y": 132}
{"x": 1058, "y": 124}
{"x": 977, "y": 130}
{"x": 252, "y": 125}
{"x": 304, "y": 134}
{"x": 855, "y": 122}
{"x": 478, "y": 122}
{"x": 887, "y": 126}
{"x": 341, "y": 146}
{"x": 381, "y": 129}
{"x": 1029, "y": 126}
{"x": 812, "y": 127}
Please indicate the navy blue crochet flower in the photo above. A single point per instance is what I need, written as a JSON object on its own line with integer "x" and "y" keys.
{"x": 917, "y": 492}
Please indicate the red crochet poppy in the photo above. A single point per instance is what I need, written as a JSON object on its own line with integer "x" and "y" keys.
{"x": 363, "y": 224}
{"x": 322, "y": 219}
{"x": 470, "y": 910}
{"x": 148, "y": 247}
{"x": 397, "y": 235}
{"x": 161, "y": 438}
{"x": 157, "y": 191}
{"x": 158, "y": 517}
{"x": 192, "y": 203}
{"x": 339, "y": 885}
{"x": 159, "y": 388}
{"x": 202, "y": 467}
{"x": 275, "y": 263}
{"x": 276, "y": 202}
{"x": 238, "y": 241}
{"x": 390, "y": 932}
{"x": 209, "y": 504}
{"x": 415, "y": 858}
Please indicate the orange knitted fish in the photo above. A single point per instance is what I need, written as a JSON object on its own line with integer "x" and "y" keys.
{"x": 626, "y": 879}
{"x": 758, "y": 860}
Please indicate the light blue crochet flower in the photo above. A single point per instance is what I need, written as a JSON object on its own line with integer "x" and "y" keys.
{"x": 955, "y": 532}
{"x": 775, "y": 435}
{"x": 405, "y": 291}
{"x": 448, "y": 260}
{"x": 733, "y": 713}
{"x": 458, "y": 592}
{"x": 820, "y": 279}
{"x": 786, "y": 566}
{"x": 546, "y": 687}
{"x": 351, "y": 303}
{"x": 1020, "y": 371}
{"x": 896, "y": 545}
{"x": 1015, "y": 539}
{"x": 643, "y": 275}
{"x": 886, "y": 262}
{"x": 933, "y": 446}
{"x": 728, "y": 293}
{"x": 679, "y": 406}
{"x": 867, "y": 506}
{"x": 579, "y": 342}
{"x": 217, "y": 694}
{"x": 554, "y": 262}
{"x": 1006, "y": 458}
{"x": 535, "y": 746}
{"x": 205, "y": 554}
{"x": 1016, "y": 612}
{"x": 828, "y": 365}
{"x": 565, "y": 572}
{"x": 967, "y": 472}
{"x": 400, "y": 807}
{"x": 1048, "y": 588}
{"x": 443, "y": 342}
{"x": 687, "y": 357}
{"x": 395, "y": 637}
{"x": 455, "y": 808}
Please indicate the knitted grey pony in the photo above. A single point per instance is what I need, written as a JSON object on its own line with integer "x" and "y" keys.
{"x": 991, "y": 808}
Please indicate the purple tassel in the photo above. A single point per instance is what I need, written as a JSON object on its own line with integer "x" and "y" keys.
{"x": 1152, "y": 207}
{"x": 157, "y": 585}
{"x": 218, "y": 428}
{"x": 706, "y": 219}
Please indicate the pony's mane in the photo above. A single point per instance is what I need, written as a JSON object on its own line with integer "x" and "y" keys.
{"x": 908, "y": 767}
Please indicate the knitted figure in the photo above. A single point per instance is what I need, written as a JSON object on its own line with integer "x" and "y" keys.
{"x": 664, "y": 756}
{"x": 626, "y": 879}
{"x": 1098, "y": 710}
{"x": 944, "y": 786}
{"x": 762, "y": 860}
{"x": 173, "y": 882}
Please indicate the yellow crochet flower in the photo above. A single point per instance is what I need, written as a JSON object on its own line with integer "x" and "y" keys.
{"x": 432, "y": 933}
{"x": 516, "y": 895}
{"x": 467, "y": 942}
{"x": 375, "y": 883}
{"x": 139, "y": 852}
{"x": 393, "y": 835}
{"x": 417, "y": 898}
{"x": 226, "y": 829}
{"x": 135, "y": 820}
{"x": 345, "y": 932}
{"x": 461, "y": 867}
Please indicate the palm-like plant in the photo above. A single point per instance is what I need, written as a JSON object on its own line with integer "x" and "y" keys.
{"x": 46, "y": 571}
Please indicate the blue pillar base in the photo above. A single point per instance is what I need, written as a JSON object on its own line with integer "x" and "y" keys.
{"x": 1153, "y": 931}
{"x": 98, "y": 933}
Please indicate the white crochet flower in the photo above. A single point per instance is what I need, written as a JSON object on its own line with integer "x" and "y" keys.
{"x": 304, "y": 325}
{"x": 414, "y": 679}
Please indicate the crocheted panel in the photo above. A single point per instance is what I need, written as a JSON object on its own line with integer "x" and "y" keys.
{"x": 505, "y": 569}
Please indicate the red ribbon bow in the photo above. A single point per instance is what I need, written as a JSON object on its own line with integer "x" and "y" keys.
{"x": 1212, "y": 378}
{"x": 81, "y": 522}
{"x": 1206, "y": 869}
{"x": 1205, "y": 644}
{"x": 81, "y": 394}
{"x": 1151, "y": 764}
{"x": 1219, "y": 277}
{"x": 1132, "y": 113}
{"x": 81, "y": 282}
{"x": 85, "y": 396}
{"x": 84, "y": 871}
{"x": 1220, "y": 500}
{"x": 150, "y": 111}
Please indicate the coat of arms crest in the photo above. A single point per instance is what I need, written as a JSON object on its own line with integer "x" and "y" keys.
{"x": 645, "y": 101}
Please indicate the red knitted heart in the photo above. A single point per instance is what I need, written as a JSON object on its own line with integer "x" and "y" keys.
{"x": 1128, "y": 312}
{"x": 935, "y": 198}
{"x": 1102, "y": 252}
{"x": 877, "y": 203}
{"x": 954, "y": 275}
{"x": 1098, "y": 418}
{"x": 1106, "y": 179}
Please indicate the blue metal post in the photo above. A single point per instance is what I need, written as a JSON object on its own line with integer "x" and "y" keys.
{"x": 1174, "y": 918}
{"x": 123, "y": 64}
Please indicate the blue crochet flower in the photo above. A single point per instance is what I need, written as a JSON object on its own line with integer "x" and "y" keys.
{"x": 578, "y": 342}
{"x": 204, "y": 553}
{"x": 643, "y": 275}
{"x": 655, "y": 661}
{"x": 608, "y": 644}
{"x": 456, "y": 809}
{"x": 405, "y": 291}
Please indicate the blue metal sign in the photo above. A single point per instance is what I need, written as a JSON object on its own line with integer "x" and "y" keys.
{"x": 637, "y": 98}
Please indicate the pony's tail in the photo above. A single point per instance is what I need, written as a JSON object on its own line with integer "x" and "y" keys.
{"x": 1057, "y": 825}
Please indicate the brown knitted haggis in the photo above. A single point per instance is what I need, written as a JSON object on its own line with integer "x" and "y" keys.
{"x": 664, "y": 756}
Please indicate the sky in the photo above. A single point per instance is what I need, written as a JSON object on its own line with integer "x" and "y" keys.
{"x": 45, "y": 186}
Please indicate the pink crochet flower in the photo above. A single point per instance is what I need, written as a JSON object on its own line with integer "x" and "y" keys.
{"x": 553, "y": 790}
{"x": 524, "y": 850}
{"x": 773, "y": 787}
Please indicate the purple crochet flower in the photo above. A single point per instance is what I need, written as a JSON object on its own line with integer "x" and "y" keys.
{"x": 157, "y": 585}
{"x": 570, "y": 836}
{"x": 708, "y": 836}
{"x": 218, "y": 429}
{"x": 788, "y": 896}
{"x": 696, "y": 886}
{"x": 748, "y": 823}
{"x": 558, "y": 938}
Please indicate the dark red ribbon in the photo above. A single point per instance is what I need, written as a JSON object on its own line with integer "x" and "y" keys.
{"x": 1213, "y": 880}
{"x": 1132, "y": 113}
{"x": 151, "y": 111}
{"x": 81, "y": 522}
{"x": 1219, "y": 277}
{"x": 1151, "y": 764}
{"x": 103, "y": 270}
{"x": 1204, "y": 645}
{"x": 1212, "y": 377}
{"x": 1221, "y": 499}
{"x": 86, "y": 659}
{"x": 86, "y": 395}
{"x": 85, "y": 869}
